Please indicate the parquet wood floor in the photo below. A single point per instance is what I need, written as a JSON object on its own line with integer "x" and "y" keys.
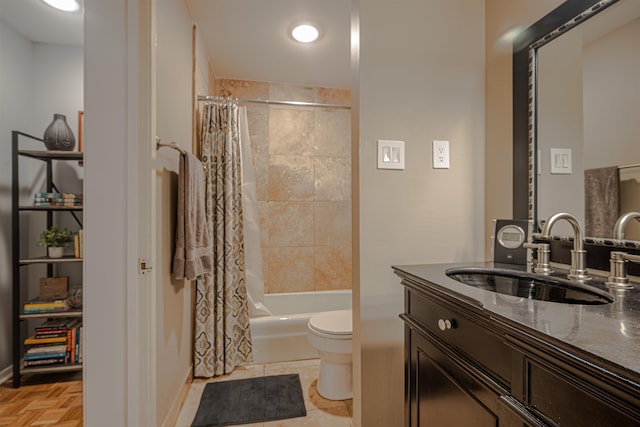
{"x": 43, "y": 400}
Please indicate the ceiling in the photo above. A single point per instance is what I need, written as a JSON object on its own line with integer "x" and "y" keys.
{"x": 41, "y": 23}
{"x": 246, "y": 39}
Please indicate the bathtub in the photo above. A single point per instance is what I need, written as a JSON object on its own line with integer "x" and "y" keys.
{"x": 282, "y": 336}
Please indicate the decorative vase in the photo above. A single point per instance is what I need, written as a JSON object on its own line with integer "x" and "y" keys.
{"x": 55, "y": 252}
{"x": 58, "y": 135}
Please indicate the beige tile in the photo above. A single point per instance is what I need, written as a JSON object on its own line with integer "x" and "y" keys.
{"x": 330, "y": 417}
{"x": 291, "y": 131}
{"x": 242, "y": 89}
{"x": 332, "y": 267}
{"x": 258, "y": 117}
{"x": 263, "y": 217}
{"x": 333, "y": 96}
{"x": 258, "y": 122}
{"x": 332, "y": 223}
{"x": 332, "y": 133}
{"x": 288, "y": 92}
{"x": 290, "y": 178}
{"x": 332, "y": 178}
{"x": 291, "y": 224}
{"x": 288, "y": 269}
{"x": 261, "y": 174}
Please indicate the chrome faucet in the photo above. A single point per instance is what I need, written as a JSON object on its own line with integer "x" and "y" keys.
{"x": 578, "y": 254}
{"x": 618, "y": 229}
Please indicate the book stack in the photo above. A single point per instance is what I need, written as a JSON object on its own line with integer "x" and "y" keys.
{"x": 56, "y": 342}
{"x": 57, "y": 199}
{"x": 37, "y": 306}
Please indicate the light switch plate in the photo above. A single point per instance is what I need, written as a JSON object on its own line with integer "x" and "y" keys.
{"x": 390, "y": 154}
{"x": 561, "y": 161}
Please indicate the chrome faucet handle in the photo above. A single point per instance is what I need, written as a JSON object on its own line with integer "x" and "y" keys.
{"x": 578, "y": 271}
{"x": 618, "y": 278}
{"x": 542, "y": 261}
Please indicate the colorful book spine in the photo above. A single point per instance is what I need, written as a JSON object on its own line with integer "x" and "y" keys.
{"x": 52, "y": 326}
{"x": 42, "y": 195}
{"x": 36, "y": 306}
{"x": 48, "y": 349}
{"x": 51, "y": 335}
{"x": 32, "y": 340}
{"x": 57, "y": 199}
{"x": 81, "y": 344}
{"x": 44, "y": 362}
{"x": 40, "y": 356}
{"x": 70, "y": 351}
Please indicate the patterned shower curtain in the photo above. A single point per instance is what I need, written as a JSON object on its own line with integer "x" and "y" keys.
{"x": 222, "y": 335}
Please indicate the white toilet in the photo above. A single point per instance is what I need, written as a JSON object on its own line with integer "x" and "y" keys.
{"x": 330, "y": 333}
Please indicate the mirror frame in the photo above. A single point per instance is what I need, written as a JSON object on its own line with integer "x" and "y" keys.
{"x": 525, "y": 50}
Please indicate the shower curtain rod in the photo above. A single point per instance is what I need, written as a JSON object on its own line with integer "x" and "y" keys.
{"x": 266, "y": 101}
{"x": 629, "y": 166}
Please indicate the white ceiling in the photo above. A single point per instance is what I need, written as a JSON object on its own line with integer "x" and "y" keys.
{"x": 246, "y": 39}
{"x": 41, "y": 23}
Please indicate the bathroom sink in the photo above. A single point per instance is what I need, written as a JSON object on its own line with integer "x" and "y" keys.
{"x": 529, "y": 285}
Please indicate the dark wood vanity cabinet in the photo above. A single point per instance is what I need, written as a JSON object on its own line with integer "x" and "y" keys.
{"x": 465, "y": 368}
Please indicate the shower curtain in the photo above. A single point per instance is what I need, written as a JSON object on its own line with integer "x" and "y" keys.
{"x": 222, "y": 334}
{"x": 251, "y": 225}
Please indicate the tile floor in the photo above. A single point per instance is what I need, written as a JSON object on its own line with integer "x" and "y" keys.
{"x": 320, "y": 412}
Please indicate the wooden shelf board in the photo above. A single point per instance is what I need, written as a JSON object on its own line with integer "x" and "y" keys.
{"x": 49, "y": 208}
{"x": 47, "y": 260}
{"x": 51, "y": 154}
{"x": 54, "y": 368}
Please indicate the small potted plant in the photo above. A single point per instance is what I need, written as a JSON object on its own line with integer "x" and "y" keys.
{"x": 55, "y": 240}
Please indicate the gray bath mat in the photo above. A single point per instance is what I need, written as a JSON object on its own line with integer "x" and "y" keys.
{"x": 251, "y": 400}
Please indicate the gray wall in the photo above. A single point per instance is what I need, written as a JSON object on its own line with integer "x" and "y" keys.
{"x": 421, "y": 77}
{"x": 16, "y": 95}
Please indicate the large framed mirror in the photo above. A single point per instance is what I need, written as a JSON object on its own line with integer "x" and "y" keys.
{"x": 576, "y": 96}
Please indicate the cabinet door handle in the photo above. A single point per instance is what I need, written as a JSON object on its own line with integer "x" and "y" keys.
{"x": 445, "y": 324}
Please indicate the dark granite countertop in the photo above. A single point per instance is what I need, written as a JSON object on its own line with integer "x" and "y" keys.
{"x": 608, "y": 334}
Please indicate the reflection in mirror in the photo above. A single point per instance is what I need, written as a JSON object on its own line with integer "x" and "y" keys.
{"x": 587, "y": 109}
{"x": 588, "y": 102}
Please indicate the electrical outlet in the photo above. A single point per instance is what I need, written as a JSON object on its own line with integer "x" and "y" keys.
{"x": 441, "y": 154}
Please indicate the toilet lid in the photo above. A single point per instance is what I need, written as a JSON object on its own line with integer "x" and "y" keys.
{"x": 332, "y": 322}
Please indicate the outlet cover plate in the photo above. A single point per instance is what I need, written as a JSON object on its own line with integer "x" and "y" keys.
{"x": 440, "y": 154}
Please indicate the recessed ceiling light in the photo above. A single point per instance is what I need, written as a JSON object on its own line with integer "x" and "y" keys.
{"x": 65, "y": 5}
{"x": 305, "y": 33}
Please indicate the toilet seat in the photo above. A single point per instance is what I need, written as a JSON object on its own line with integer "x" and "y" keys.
{"x": 332, "y": 324}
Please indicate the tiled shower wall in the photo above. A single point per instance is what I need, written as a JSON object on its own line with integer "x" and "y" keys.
{"x": 302, "y": 162}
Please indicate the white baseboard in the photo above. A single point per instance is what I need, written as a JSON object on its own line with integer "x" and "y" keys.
{"x": 6, "y": 374}
{"x": 176, "y": 406}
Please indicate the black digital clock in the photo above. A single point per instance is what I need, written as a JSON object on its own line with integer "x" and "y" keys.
{"x": 510, "y": 235}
